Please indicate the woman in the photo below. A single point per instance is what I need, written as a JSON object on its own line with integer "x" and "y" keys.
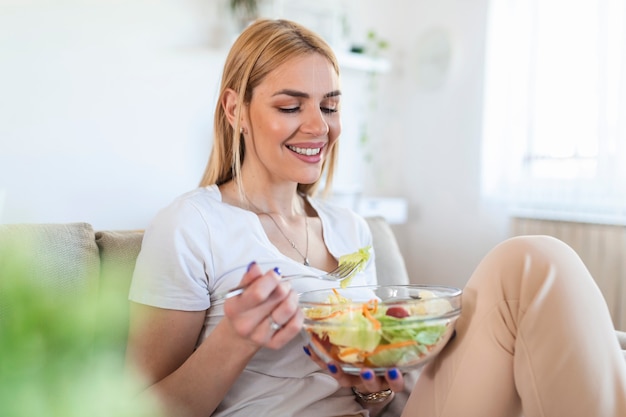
{"x": 276, "y": 130}
{"x": 255, "y": 216}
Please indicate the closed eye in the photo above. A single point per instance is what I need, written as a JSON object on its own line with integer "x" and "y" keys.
{"x": 289, "y": 109}
{"x": 326, "y": 108}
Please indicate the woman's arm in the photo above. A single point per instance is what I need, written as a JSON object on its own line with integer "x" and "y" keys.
{"x": 161, "y": 344}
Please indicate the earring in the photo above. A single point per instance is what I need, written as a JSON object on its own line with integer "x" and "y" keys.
{"x": 242, "y": 130}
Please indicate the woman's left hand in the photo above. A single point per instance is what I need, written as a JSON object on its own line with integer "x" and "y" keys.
{"x": 366, "y": 382}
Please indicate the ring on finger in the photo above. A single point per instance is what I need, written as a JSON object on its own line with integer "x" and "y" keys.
{"x": 274, "y": 327}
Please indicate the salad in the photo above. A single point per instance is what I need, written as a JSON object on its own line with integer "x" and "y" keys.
{"x": 358, "y": 258}
{"x": 372, "y": 334}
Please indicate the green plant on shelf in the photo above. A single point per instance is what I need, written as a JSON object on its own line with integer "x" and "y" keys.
{"x": 244, "y": 11}
{"x": 249, "y": 7}
{"x": 374, "y": 47}
{"x": 375, "y": 44}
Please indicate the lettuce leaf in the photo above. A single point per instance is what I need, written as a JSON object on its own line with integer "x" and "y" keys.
{"x": 358, "y": 332}
{"x": 360, "y": 257}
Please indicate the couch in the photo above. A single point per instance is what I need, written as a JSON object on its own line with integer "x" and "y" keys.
{"x": 73, "y": 257}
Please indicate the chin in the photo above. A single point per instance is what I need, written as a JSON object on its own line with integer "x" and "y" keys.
{"x": 309, "y": 180}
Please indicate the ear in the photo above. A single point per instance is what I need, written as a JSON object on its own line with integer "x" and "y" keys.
{"x": 229, "y": 104}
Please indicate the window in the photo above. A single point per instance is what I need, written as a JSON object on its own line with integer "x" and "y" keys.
{"x": 555, "y": 108}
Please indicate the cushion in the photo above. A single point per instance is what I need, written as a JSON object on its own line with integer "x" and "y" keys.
{"x": 621, "y": 338}
{"x": 390, "y": 266}
{"x": 118, "y": 253}
{"x": 59, "y": 256}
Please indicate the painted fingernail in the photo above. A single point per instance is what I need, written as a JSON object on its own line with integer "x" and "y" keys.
{"x": 332, "y": 368}
{"x": 367, "y": 375}
{"x": 306, "y": 350}
{"x": 277, "y": 271}
{"x": 393, "y": 374}
{"x": 250, "y": 265}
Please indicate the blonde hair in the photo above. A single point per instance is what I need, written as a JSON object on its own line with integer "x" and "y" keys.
{"x": 259, "y": 50}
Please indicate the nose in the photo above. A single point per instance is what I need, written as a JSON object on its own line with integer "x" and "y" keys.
{"x": 315, "y": 123}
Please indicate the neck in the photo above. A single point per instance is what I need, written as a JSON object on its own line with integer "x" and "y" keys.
{"x": 294, "y": 207}
{"x": 281, "y": 200}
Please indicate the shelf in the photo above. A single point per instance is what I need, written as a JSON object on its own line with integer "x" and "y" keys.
{"x": 361, "y": 62}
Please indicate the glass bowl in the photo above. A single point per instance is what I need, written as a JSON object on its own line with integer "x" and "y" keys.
{"x": 380, "y": 326}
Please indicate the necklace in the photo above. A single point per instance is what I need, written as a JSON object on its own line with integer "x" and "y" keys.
{"x": 305, "y": 257}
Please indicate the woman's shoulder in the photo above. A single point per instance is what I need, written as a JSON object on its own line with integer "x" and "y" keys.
{"x": 339, "y": 217}
{"x": 200, "y": 198}
{"x": 192, "y": 207}
{"x": 200, "y": 195}
{"x": 334, "y": 210}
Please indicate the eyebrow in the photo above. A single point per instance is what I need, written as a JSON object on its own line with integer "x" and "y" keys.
{"x": 296, "y": 93}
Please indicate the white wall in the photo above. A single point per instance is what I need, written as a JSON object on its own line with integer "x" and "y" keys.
{"x": 428, "y": 135}
{"x": 106, "y": 108}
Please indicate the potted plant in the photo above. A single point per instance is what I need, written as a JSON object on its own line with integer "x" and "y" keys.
{"x": 244, "y": 11}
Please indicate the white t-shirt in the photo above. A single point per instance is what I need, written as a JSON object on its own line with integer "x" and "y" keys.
{"x": 199, "y": 245}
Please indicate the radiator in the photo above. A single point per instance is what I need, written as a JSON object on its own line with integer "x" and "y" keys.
{"x": 601, "y": 247}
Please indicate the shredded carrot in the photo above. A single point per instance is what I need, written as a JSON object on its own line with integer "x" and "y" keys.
{"x": 381, "y": 348}
{"x": 350, "y": 351}
{"x": 330, "y": 316}
{"x": 334, "y": 314}
{"x": 371, "y": 318}
{"x": 373, "y": 305}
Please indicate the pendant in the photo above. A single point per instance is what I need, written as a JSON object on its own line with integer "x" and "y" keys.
{"x": 306, "y": 262}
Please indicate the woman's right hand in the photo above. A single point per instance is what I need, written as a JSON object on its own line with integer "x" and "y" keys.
{"x": 163, "y": 342}
{"x": 266, "y": 313}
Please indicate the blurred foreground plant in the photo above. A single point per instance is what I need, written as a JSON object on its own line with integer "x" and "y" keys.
{"x": 54, "y": 361}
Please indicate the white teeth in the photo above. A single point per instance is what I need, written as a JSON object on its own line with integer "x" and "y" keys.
{"x": 305, "y": 151}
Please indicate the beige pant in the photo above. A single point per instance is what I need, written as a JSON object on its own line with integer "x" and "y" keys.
{"x": 535, "y": 336}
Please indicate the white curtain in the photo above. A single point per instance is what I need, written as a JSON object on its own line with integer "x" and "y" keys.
{"x": 555, "y": 108}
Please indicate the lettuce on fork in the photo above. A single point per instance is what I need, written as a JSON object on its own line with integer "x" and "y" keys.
{"x": 360, "y": 258}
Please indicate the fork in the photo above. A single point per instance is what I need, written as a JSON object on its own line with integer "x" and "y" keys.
{"x": 343, "y": 271}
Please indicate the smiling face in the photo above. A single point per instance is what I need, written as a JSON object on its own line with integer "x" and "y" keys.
{"x": 293, "y": 121}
